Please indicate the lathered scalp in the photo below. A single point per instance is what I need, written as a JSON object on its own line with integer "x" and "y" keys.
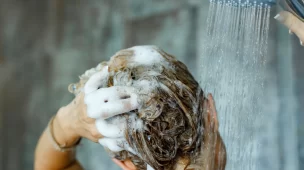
{"x": 168, "y": 123}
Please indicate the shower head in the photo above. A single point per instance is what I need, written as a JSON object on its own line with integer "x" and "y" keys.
{"x": 247, "y": 2}
{"x": 296, "y": 7}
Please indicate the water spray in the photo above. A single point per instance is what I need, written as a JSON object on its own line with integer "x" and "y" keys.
{"x": 233, "y": 66}
{"x": 234, "y": 53}
{"x": 296, "y": 7}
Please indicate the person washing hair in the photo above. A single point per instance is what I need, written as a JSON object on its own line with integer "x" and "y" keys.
{"x": 294, "y": 24}
{"x": 108, "y": 110}
{"x": 145, "y": 108}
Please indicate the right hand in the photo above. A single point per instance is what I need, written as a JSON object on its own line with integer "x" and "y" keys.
{"x": 294, "y": 24}
{"x": 85, "y": 115}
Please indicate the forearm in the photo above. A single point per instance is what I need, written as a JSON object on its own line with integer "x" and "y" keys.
{"x": 47, "y": 157}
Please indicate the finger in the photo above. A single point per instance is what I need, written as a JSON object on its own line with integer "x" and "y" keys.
{"x": 212, "y": 104}
{"x": 114, "y": 129}
{"x": 291, "y": 22}
{"x": 206, "y": 115}
{"x": 213, "y": 111}
{"x": 91, "y": 138}
{"x": 91, "y": 133}
{"x": 108, "y": 102}
{"x": 94, "y": 131}
{"x": 114, "y": 108}
{"x": 110, "y": 109}
{"x": 109, "y": 94}
{"x": 125, "y": 165}
{"x": 115, "y": 92}
{"x": 116, "y": 144}
{"x": 96, "y": 80}
{"x": 120, "y": 164}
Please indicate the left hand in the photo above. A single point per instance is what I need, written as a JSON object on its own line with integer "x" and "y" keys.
{"x": 294, "y": 24}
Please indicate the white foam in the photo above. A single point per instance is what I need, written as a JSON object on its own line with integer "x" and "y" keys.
{"x": 108, "y": 102}
{"x": 143, "y": 83}
{"x": 146, "y": 55}
{"x": 137, "y": 123}
{"x": 116, "y": 144}
{"x": 113, "y": 129}
{"x": 92, "y": 71}
{"x": 149, "y": 167}
{"x": 97, "y": 79}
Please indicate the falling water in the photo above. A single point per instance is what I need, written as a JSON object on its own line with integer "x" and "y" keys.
{"x": 232, "y": 68}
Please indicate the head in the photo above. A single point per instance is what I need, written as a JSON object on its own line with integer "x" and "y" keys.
{"x": 179, "y": 122}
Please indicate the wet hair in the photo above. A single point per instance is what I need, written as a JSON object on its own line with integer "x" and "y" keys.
{"x": 171, "y": 109}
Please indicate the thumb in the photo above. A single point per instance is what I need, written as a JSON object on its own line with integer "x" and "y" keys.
{"x": 292, "y": 23}
{"x": 96, "y": 80}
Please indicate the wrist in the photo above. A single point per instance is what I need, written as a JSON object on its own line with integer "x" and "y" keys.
{"x": 64, "y": 132}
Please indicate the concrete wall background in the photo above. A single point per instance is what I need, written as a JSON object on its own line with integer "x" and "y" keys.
{"x": 45, "y": 45}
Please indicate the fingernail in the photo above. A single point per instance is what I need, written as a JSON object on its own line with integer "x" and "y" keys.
{"x": 301, "y": 42}
{"x": 279, "y": 18}
{"x": 290, "y": 32}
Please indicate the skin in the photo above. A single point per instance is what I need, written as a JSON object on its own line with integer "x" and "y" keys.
{"x": 70, "y": 124}
{"x": 68, "y": 132}
{"x": 294, "y": 24}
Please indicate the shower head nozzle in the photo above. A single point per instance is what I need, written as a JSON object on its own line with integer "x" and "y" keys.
{"x": 296, "y": 7}
{"x": 269, "y": 2}
{"x": 247, "y": 2}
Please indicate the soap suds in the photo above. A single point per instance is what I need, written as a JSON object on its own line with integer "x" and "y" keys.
{"x": 116, "y": 144}
{"x": 146, "y": 55}
{"x": 97, "y": 79}
{"x": 149, "y": 167}
{"x": 110, "y": 101}
{"x": 113, "y": 129}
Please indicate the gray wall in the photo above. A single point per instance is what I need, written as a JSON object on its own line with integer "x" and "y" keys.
{"x": 46, "y": 44}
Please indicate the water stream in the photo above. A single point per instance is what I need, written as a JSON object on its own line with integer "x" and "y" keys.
{"x": 233, "y": 69}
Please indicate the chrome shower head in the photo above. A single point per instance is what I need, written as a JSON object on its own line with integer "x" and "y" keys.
{"x": 296, "y": 7}
{"x": 247, "y": 2}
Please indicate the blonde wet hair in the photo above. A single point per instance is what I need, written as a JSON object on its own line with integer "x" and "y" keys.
{"x": 171, "y": 108}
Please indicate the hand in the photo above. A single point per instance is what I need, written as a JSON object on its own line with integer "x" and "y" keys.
{"x": 125, "y": 165}
{"x": 107, "y": 102}
{"x": 75, "y": 123}
{"x": 294, "y": 24}
{"x": 72, "y": 122}
{"x": 103, "y": 103}
{"x": 85, "y": 115}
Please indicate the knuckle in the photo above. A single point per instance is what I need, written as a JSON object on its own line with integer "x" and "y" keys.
{"x": 95, "y": 134}
{"x": 88, "y": 120}
{"x": 93, "y": 139}
{"x": 104, "y": 115}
